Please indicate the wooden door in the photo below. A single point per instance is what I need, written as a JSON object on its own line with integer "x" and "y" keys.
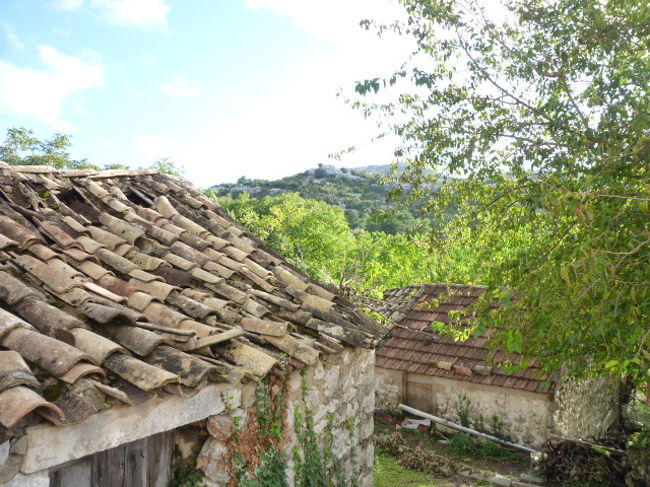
{"x": 142, "y": 463}
{"x": 419, "y": 393}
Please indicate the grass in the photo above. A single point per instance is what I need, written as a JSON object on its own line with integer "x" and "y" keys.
{"x": 389, "y": 473}
{"x": 463, "y": 444}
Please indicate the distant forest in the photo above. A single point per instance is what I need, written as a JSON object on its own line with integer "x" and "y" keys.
{"x": 368, "y": 203}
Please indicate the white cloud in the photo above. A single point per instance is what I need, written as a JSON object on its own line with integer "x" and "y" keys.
{"x": 41, "y": 93}
{"x": 69, "y": 4}
{"x": 334, "y": 20}
{"x": 301, "y": 122}
{"x": 137, "y": 13}
{"x": 156, "y": 146}
{"x": 271, "y": 137}
{"x": 10, "y": 36}
{"x": 180, "y": 87}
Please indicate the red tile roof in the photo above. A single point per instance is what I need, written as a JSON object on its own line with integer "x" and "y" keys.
{"x": 413, "y": 346}
{"x": 116, "y": 286}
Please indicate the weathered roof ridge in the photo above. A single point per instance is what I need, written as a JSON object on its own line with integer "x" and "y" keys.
{"x": 78, "y": 173}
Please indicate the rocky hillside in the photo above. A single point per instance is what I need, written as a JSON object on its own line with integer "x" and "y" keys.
{"x": 359, "y": 192}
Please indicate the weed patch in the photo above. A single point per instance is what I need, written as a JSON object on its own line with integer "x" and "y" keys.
{"x": 389, "y": 473}
{"x": 463, "y": 444}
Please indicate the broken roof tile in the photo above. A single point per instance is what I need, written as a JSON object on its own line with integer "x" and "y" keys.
{"x": 55, "y": 274}
{"x": 14, "y": 371}
{"x": 199, "y": 286}
{"x": 141, "y": 374}
{"x": 18, "y": 233}
{"x": 97, "y": 346}
{"x": 18, "y": 402}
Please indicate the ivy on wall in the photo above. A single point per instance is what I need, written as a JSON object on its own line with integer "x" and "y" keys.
{"x": 317, "y": 466}
{"x": 257, "y": 450}
{"x": 257, "y": 454}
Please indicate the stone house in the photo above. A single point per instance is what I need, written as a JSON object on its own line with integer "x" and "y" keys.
{"x": 462, "y": 380}
{"x": 143, "y": 331}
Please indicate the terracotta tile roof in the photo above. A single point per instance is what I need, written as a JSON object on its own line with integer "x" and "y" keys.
{"x": 413, "y": 346}
{"x": 116, "y": 286}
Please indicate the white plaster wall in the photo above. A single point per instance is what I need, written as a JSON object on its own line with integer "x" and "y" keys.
{"x": 527, "y": 415}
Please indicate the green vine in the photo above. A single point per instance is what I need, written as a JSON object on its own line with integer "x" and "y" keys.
{"x": 258, "y": 456}
{"x": 184, "y": 471}
{"x": 315, "y": 467}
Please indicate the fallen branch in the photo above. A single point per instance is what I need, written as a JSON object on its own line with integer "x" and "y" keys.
{"x": 589, "y": 443}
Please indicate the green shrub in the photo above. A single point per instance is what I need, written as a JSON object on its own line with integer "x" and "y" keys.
{"x": 466, "y": 445}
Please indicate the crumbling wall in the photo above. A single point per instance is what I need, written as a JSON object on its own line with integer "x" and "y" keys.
{"x": 338, "y": 391}
{"x": 388, "y": 388}
{"x": 585, "y": 408}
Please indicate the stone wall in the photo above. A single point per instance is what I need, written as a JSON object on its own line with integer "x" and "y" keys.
{"x": 339, "y": 385}
{"x": 388, "y": 389}
{"x": 526, "y": 416}
{"x": 585, "y": 409}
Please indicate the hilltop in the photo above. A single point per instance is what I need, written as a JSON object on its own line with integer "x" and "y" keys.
{"x": 358, "y": 191}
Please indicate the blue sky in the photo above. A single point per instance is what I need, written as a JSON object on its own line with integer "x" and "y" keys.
{"x": 224, "y": 87}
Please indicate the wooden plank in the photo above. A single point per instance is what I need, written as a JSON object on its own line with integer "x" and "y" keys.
{"x": 75, "y": 475}
{"x": 159, "y": 459}
{"x": 109, "y": 468}
{"x": 135, "y": 464}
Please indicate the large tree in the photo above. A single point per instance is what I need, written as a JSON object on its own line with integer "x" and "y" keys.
{"x": 22, "y": 147}
{"x": 542, "y": 107}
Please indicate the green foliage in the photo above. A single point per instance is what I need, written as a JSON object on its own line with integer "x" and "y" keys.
{"x": 184, "y": 471}
{"x": 463, "y": 444}
{"x": 470, "y": 418}
{"x": 316, "y": 465}
{"x": 316, "y": 237}
{"x": 167, "y": 166}
{"x": 311, "y": 470}
{"x": 638, "y": 411}
{"x": 271, "y": 471}
{"x": 544, "y": 112}
{"x": 21, "y": 147}
{"x": 463, "y": 410}
{"x": 389, "y": 473}
{"x": 359, "y": 192}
